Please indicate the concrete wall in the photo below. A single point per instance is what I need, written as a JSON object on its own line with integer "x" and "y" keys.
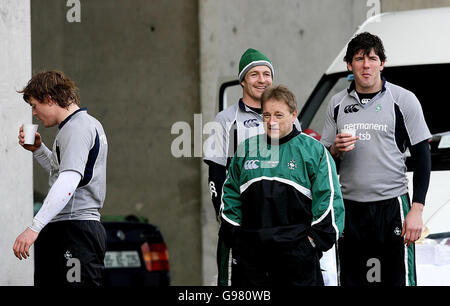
{"x": 301, "y": 37}
{"x": 16, "y": 179}
{"x": 136, "y": 64}
{"x": 402, "y": 5}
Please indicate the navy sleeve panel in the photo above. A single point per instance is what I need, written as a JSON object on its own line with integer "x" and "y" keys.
{"x": 58, "y": 154}
{"x": 420, "y": 153}
{"x": 401, "y": 134}
{"x": 336, "y": 112}
{"x": 233, "y": 137}
{"x": 337, "y": 160}
{"x": 92, "y": 158}
{"x": 217, "y": 175}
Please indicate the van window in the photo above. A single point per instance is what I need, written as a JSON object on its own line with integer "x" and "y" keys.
{"x": 319, "y": 118}
{"x": 428, "y": 82}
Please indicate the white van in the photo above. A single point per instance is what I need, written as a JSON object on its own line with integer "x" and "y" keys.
{"x": 417, "y": 46}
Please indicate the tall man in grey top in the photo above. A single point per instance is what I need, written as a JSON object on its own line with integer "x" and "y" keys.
{"x": 381, "y": 225}
{"x": 67, "y": 227}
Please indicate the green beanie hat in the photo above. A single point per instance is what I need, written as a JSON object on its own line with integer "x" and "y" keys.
{"x": 250, "y": 59}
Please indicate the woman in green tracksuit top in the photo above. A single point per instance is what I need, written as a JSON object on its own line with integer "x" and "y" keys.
{"x": 281, "y": 204}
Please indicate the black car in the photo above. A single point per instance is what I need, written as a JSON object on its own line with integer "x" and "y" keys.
{"x": 136, "y": 254}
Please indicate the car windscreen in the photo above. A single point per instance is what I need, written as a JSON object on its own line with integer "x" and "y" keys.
{"x": 427, "y": 82}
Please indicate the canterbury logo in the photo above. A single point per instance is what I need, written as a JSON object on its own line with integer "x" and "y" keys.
{"x": 251, "y": 164}
{"x": 251, "y": 123}
{"x": 351, "y": 108}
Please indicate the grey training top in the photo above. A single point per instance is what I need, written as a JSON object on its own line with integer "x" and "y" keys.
{"x": 232, "y": 126}
{"x": 81, "y": 146}
{"x": 375, "y": 170}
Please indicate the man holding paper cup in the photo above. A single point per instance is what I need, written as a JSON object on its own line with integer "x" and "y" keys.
{"x": 368, "y": 128}
{"x": 67, "y": 230}
{"x": 29, "y": 131}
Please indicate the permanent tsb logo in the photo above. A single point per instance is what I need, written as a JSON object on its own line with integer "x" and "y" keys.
{"x": 365, "y": 129}
{"x": 366, "y": 126}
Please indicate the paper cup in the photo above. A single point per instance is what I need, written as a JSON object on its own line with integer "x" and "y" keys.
{"x": 30, "y": 132}
{"x": 349, "y": 131}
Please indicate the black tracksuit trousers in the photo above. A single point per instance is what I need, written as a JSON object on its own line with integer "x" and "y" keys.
{"x": 371, "y": 250}
{"x": 70, "y": 254}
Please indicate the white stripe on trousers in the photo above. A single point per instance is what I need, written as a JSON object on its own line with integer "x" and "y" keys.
{"x": 402, "y": 215}
{"x": 230, "y": 266}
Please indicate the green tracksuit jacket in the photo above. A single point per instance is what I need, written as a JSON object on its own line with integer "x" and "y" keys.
{"x": 277, "y": 194}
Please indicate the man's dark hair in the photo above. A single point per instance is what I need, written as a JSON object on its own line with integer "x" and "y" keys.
{"x": 366, "y": 42}
{"x": 51, "y": 84}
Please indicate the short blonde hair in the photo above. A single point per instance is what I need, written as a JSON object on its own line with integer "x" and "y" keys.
{"x": 280, "y": 93}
